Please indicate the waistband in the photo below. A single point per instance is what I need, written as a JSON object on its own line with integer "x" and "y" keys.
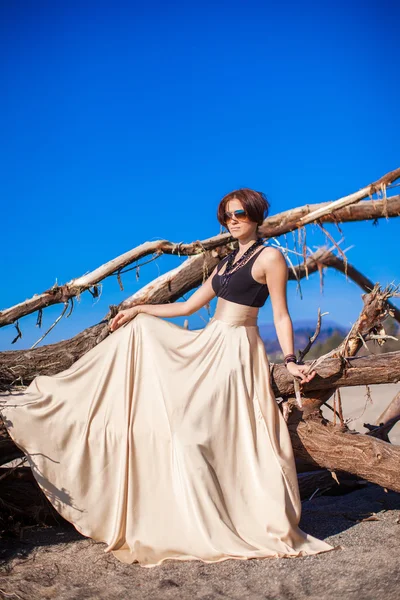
{"x": 235, "y": 314}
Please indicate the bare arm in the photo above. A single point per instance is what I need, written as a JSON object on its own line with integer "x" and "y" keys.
{"x": 197, "y": 300}
{"x": 276, "y": 273}
{"x": 175, "y": 309}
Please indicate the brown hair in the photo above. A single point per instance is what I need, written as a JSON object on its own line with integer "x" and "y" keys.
{"x": 254, "y": 203}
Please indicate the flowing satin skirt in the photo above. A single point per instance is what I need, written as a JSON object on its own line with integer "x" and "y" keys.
{"x": 168, "y": 443}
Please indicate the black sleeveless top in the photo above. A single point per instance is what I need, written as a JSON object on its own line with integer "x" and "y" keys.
{"x": 242, "y": 287}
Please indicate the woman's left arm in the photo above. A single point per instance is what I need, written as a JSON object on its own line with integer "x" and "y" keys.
{"x": 276, "y": 276}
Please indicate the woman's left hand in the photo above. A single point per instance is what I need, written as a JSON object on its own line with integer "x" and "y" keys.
{"x": 300, "y": 371}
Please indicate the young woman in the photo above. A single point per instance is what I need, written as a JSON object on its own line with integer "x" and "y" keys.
{"x": 168, "y": 443}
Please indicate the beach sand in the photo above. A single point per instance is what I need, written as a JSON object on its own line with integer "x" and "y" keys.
{"x": 57, "y": 562}
{"x": 359, "y": 409}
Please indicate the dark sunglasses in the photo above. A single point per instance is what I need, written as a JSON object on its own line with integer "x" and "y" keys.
{"x": 240, "y": 215}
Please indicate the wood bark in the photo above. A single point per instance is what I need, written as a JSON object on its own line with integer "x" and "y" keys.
{"x": 320, "y": 443}
{"x": 317, "y": 443}
{"x": 220, "y": 245}
{"x": 333, "y": 372}
{"x": 386, "y": 421}
{"x": 21, "y": 366}
{"x": 319, "y": 481}
{"x": 312, "y": 435}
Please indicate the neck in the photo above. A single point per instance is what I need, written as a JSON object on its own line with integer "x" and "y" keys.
{"x": 245, "y": 243}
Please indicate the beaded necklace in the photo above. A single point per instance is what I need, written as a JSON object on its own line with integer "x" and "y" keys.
{"x": 232, "y": 268}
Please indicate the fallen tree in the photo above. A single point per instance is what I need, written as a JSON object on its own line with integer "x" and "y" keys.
{"x": 53, "y": 358}
{"x": 349, "y": 208}
{"x": 317, "y": 442}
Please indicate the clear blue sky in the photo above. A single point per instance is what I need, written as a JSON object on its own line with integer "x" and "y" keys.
{"x": 124, "y": 122}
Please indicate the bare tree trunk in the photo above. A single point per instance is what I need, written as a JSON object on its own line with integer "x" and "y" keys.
{"x": 53, "y": 358}
{"x": 218, "y": 246}
{"x": 317, "y": 443}
{"x": 320, "y": 443}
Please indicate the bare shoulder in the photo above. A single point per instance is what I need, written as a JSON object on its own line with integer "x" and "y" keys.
{"x": 273, "y": 265}
{"x": 271, "y": 256}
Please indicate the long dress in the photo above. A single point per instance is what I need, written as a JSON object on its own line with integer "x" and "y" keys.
{"x": 168, "y": 443}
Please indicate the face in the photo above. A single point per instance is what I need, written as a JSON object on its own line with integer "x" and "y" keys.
{"x": 238, "y": 228}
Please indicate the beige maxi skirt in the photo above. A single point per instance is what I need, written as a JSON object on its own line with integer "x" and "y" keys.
{"x": 168, "y": 443}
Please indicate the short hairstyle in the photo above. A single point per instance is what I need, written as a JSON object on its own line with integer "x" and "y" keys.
{"x": 254, "y": 203}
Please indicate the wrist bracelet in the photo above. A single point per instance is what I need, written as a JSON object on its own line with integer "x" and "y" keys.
{"x": 289, "y": 358}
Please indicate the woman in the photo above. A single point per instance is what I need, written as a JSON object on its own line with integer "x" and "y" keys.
{"x": 168, "y": 443}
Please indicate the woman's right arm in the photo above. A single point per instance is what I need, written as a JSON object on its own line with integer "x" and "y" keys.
{"x": 183, "y": 309}
{"x": 197, "y": 300}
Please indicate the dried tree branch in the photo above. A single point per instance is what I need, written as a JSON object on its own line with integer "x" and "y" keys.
{"x": 378, "y": 186}
{"x": 273, "y": 226}
{"x": 314, "y": 440}
{"x": 374, "y": 311}
{"x": 320, "y": 443}
{"x": 391, "y": 412}
{"x": 386, "y": 421}
{"x": 24, "y": 365}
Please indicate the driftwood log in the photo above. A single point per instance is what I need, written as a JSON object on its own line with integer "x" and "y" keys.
{"x": 349, "y": 208}
{"x": 331, "y": 447}
{"x": 53, "y": 358}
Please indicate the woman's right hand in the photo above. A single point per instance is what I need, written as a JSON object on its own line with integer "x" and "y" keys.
{"x": 123, "y": 317}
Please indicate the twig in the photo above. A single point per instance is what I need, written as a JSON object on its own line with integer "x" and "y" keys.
{"x": 52, "y": 326}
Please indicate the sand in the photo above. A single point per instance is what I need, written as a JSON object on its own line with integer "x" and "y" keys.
{"x": 57, "y": 562}
{"x": 358, "y": 409}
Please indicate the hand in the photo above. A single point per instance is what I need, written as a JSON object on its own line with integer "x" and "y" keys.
{"x": 124, "y": 316}
{"x": 300, "y": 371}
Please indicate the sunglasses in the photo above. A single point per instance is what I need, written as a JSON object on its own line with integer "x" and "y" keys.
{"x": 240, "y": 215}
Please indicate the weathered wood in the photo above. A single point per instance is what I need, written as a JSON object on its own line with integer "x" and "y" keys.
{"x": 369, "y": 190}
{"x": 331, "y": 373}
{"x": 322, "y": 480}
{"x": 319, "y": 442}
{"x": 386, "y": 421}
{"x": 316, "y": 442}
{"x": 391, "y": 412}
{"x": 325, "y": 258}
{"x": 220, "y": 244}
{"x": 22, "y": 366}
{"x": 374, "y": 311}
{"x": 372, "y": 369}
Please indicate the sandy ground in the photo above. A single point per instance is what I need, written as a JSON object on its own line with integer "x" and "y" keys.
{"x": 57, "y": 562}
{"x": 358, "y": 409}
